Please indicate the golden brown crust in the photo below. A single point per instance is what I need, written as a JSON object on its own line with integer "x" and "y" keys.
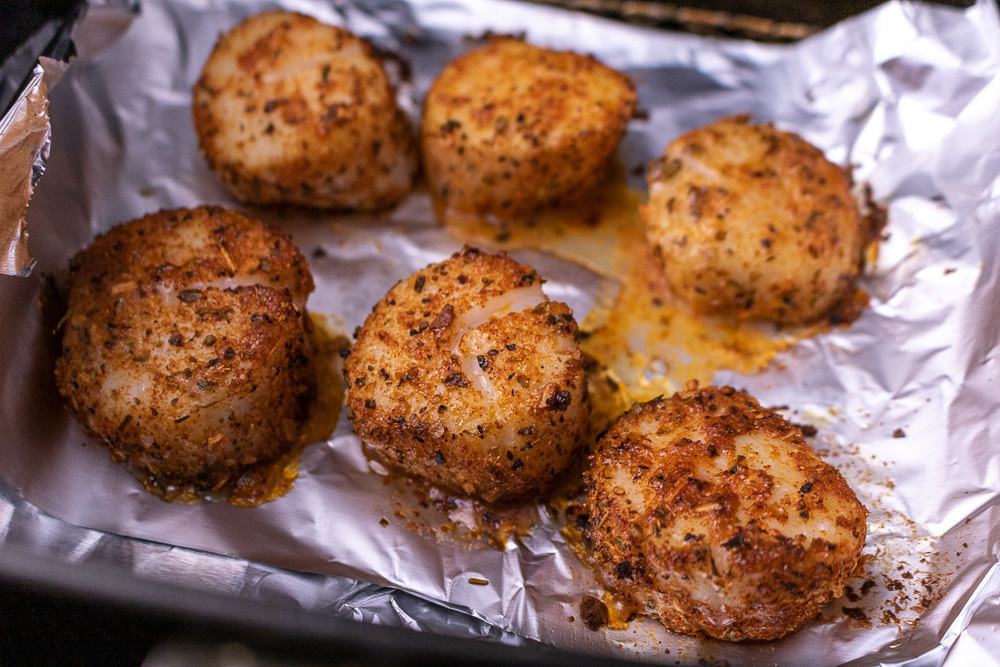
{"x": 754, "y": 222}
{"x": 467, "y": 376}
{"x": 510, "y": 127}
{"x": 184, "y": 347}
{"x": 181, "y": 247}
{"x": 288, "y": 109}
{"x": 713, "y": 514}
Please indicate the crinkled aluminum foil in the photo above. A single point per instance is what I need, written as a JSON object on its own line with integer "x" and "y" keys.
{"x": 25, "y": 76}
{"x": 905, "y": 399}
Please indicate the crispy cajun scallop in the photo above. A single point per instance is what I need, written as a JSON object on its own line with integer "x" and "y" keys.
{"x": 467, "y": 376}
{"x": 754, "y": 222}
{"x": 714, "y": 515}
{"x": 291, "y": 110}
{"x": 184, "y": 347}
{"x": 509, "y": 128}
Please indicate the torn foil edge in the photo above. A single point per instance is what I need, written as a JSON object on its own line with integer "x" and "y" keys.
{"x": 25, "y": 130}
{"x": 25, "y": 137}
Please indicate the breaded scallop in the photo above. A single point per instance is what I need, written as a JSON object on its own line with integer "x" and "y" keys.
{"x": 510, "y": 128}
{"x": 714, "y": 515}
{"x": 291, "y": 110}
{"x": 756, "y": 223}
{"x": 184, "y": 347}
{"x": 467, "y": 376}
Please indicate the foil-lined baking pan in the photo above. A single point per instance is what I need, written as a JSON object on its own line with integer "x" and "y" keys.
{"x": 903, "y": 399}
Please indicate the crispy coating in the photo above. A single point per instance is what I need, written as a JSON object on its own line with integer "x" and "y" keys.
{"x": 753, "y": 222}
{"x": 184, "y": 347}
{"x": 510, "y": 128}
{"x": 466, "y": 375}
{"x": 290, "y": 110}
{"x": 713, "y": 514}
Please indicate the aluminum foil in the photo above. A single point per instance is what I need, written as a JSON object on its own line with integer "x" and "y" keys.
{"x": 25, "y": 76}
{"x": 905, "y": 399}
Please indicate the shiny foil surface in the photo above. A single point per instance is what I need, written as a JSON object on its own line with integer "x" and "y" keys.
{"x": 905, "y": 400}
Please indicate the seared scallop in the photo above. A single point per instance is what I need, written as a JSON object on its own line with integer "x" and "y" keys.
{"x": 468, "y": 376}
{"x": 184, "y": 347}
{"x": 291, "y": 110}
{"x": 755, "y": 223}
{"x": 510, "y": 128}
{"x": 714, "y": 515}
